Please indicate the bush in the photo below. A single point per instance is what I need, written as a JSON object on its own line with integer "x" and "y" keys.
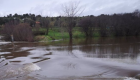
{"x": 20, "y": 32}
{"x": 23, "y": 32}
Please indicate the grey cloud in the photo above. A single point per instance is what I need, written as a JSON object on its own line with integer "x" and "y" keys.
{"x": 49, "y": 9}
{"x": 113, "y": 6}
{"x": 53, "y": 7}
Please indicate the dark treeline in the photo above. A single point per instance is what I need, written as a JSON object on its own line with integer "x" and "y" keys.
{"x": 126, "y": 24}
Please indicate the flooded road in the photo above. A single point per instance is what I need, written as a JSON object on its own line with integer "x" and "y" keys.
{"x": 83, "y": 59}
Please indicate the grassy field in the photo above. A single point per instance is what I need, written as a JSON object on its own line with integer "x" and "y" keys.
{"x": 58, "y": 33}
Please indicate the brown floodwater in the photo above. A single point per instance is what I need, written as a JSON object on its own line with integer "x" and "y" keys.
{"x": 81, "y": 59}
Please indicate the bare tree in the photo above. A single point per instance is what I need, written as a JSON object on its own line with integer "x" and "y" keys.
{"x": 71, "y": 10}
{"x": 87, "y": 26}
{"x": 45, "y": 23}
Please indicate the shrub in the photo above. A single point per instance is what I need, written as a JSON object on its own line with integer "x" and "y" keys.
{"x": 21, "y": 32}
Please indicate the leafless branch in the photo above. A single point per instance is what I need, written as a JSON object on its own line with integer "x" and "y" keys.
{"x": 72, "y": 9}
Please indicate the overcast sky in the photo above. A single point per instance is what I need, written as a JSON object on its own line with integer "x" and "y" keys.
{"x": 53, "y": 7}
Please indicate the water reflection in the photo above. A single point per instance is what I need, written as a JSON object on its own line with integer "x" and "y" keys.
{"x": 85, "y": 57}
{"x": 111, "y": 51}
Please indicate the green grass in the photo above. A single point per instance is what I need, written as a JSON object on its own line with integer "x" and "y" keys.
{"x": 78, "y": 34}
{"x": 57, "y": 33}
{"x": 96, "y": 34}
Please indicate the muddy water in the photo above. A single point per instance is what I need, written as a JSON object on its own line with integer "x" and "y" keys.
{"x": 83, "y": 59}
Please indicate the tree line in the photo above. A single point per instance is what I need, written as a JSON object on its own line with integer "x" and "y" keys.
{"x": 21, "y": 26}
{"x": 127, "y": 24}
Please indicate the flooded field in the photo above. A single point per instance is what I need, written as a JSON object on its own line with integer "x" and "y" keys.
{"x": 83, "y": 59}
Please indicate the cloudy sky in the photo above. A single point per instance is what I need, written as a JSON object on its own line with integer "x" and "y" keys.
{"x": 53, "y": 7}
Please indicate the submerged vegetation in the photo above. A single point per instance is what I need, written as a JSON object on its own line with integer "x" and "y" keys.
{"x": 30, "y": 27}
